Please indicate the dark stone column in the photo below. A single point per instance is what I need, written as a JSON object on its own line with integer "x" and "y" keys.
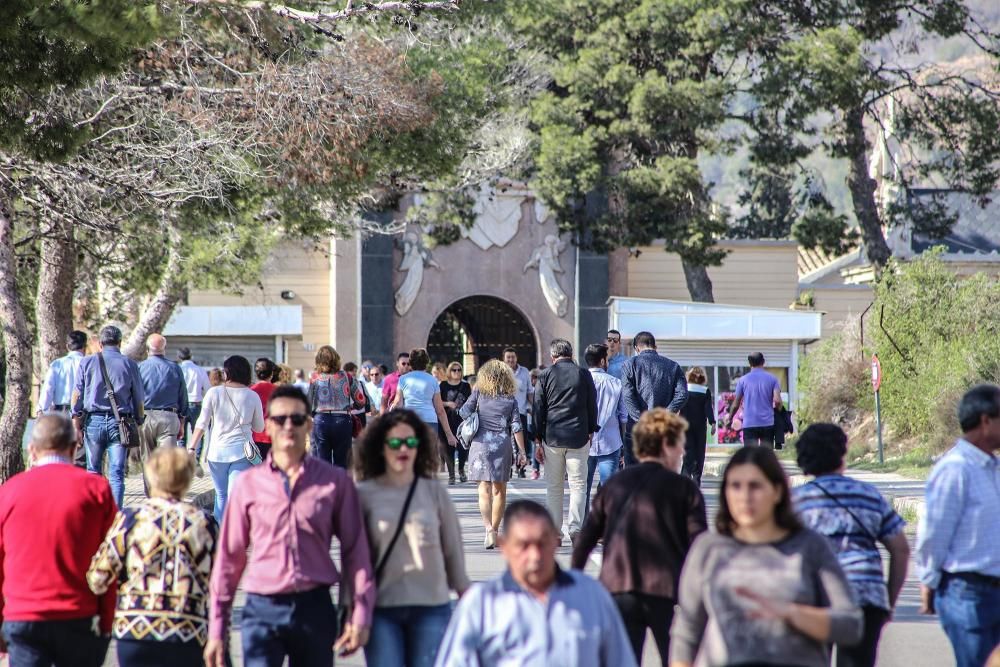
{"x": 591, "y": 300}
{"x": 377, "y": 300}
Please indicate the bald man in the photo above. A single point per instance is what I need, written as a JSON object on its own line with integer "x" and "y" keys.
{"x": 52, "y": 520}
{"x": 166, "y": 397}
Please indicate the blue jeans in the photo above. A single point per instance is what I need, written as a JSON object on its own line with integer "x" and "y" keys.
{"x": 194, "y": 411}
{"x": 970, "y": 615}
{"x": 100, "y": 435}
{"x": 71, "y": 643}
{"x": 143, "y": 653}
{"x": 302, "y": 626}
{"x": 331, "y": 437}
{"x": 223, "y": 477}
{"x": 607, "y": 464}
{"x": 406, "y": 636}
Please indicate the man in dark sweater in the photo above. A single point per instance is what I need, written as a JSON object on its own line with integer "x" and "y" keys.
{"x": 648, "y": 515}
{"x": 650, "y": 380}
{"x": 52, "y": 520}
{"x": 565, "y": 416}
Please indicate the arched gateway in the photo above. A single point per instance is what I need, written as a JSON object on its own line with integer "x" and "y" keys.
{"x": 476, "y": 329}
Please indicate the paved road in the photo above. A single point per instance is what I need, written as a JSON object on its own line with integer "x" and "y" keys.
{"x": 910, "y": 641}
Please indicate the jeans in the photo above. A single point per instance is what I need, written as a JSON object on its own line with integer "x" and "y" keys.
{"x": 301, "y": 626}
{"x": 72, "y": 643}
{"x": 223, "y": 477}
{"x": 331, "y": 437}
{"x": 864, "y": 653}
{"x": 607, "y": 464}
{"x": 640, "y": 611}
{"x": 152, "y": 653}
{"x": 572, "y": 463}
{"x": 100, "y": 435}
{"x": 448, "y": 452}
{"x": 193, "y": 413}
{"x": 630, "y": 459}
{"x": 406, "y": 636}
{"x": 969, "y": 610}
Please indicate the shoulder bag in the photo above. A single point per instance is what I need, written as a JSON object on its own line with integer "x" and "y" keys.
{"x": 346, "y": 605}
{"x": 844, "y": 507}
{"x": 128, "y": 427}
{"x": 469, "y": 427}
{"x": 250, "y": 449}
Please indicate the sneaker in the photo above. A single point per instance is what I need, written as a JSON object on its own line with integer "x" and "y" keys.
{"x": 520, "y": 472}
{"x": 534, "y": 474}
{"x": 199, "y": 471}
{"x": 462, "y": 477}
{"x": 451, "y": 481}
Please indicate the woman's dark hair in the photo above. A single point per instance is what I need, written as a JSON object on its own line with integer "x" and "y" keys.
{"x": 821, "y": 448}
{"x": 237, "y": 369}
{"x": 767, "y": 463}
{"x": 369, "y": 455}
{"x": 264, "y": 369}
{"x": 419, "y": 359}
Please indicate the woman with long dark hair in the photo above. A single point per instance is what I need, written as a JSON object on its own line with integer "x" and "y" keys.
{"x": 763, "y": 590}
{"x": 414, "y": 537}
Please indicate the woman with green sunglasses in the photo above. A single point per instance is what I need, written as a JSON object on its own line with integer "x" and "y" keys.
{"x": 396, "y": 466}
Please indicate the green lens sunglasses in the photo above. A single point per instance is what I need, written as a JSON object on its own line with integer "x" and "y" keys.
{"x": 395, "y": 443}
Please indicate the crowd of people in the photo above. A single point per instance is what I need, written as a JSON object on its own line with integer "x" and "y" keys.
{"x": 354, "y": 453}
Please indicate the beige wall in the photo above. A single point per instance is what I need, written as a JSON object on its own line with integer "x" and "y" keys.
{"x": 838, "y": 302}
{"x": 759, "y": 273}
{"x": 295, "y": 266}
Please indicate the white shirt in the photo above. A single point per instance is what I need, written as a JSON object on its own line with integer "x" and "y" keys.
{"x": 196, "y": 379}
{"x": 610, "y": 413}
{"x": 60, "y": 380}
{"x": 374, "y": 394}
{"x": 522, "y": 376}
{"x": 230, "y": 428}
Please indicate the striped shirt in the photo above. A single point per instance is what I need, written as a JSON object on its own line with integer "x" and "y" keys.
{"x": 960, "y": 531}
{"x": 852, "y": 538}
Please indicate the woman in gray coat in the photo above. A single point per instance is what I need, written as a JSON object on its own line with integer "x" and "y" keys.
{"x": 491, "y": 453}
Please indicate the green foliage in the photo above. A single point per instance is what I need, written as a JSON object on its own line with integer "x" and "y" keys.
{"x": 638, "y": 94}
{"x": 62, "y": 43}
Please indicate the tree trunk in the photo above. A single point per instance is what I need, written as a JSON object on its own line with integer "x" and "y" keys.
{"x": 698, "y": 283}
{"x": 168, "y": 294}
{"x": 54, "y": 302}
{"x": 17, "y": 352}
{"x": 862, "y": 187}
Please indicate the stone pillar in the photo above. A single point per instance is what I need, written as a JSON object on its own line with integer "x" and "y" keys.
{"x": 345, "y": 306}
{"x": 591, "y": 300}
{"x": 377, "y": 313}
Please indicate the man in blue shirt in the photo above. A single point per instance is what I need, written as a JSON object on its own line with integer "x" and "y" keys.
{"x": 606, "y": 444}
{"x": 56, "y": 393}
{"x": 92, "y": 416}
{"x": 958, "y": 540}
{"x": 535, "y": 614}
{"x": 616, "y": 358}
{"x": 759, "y": 393}
{"x": 650, "y": 380}
{"x": 166, "y": 398}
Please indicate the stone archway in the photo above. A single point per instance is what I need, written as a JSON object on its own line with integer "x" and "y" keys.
{"x": 476, "y": 329}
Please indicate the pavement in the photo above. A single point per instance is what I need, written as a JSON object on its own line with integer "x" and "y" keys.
{"x": 910, "y": 640}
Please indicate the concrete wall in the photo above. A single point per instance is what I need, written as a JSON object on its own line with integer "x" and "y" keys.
{"x": 755, "y": 273}
{"x": 467, "y": 270}
{"x": 296, "y": 266}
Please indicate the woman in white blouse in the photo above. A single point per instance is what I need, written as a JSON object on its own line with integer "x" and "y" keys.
{"x": 233, "y": 412}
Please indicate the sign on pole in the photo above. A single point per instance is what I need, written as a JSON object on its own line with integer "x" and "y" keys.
{"x": 877, "y": 385}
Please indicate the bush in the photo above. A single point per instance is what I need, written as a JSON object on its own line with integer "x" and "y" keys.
{"x": 832, "y": 378}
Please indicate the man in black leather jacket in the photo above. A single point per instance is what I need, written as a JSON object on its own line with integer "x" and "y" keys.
{"x": 565, "y": 416}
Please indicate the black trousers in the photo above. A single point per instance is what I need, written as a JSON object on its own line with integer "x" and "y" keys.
{"x": 448, "y": 452}
{"x": 865, "y": 653}
{"x": 694, "y": 461}
{"x": 640, "y": 611}
{"x": 151, "y": 653}
{"x": 758, "y": 436}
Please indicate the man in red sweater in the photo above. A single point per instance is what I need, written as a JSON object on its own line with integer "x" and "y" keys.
{"x": 52, "y": 520}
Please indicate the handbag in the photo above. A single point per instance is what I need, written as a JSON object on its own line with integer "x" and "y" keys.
{"x": 346, "y": 603}
{"x": 468, "y": 429}
{"x": 251, "y": 452}
{"x": 128, "y": 427}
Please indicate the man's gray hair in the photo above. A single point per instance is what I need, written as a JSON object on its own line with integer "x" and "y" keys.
{"x": 53, "y": 432}
{"x": 559, "y": 348}
{"x": 111, "y": 335}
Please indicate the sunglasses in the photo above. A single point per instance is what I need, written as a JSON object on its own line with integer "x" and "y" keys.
{"x": 454, "y": 370}
{"x": 298, "y": 419}
{"x": 395, "y": 443}
{"x": 614, "y": 340}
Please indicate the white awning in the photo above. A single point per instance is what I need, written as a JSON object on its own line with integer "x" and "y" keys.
{"x": 685, "y": 320}
{"x": 235, "y": 321}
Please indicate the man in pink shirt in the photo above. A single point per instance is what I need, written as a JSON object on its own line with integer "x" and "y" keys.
{"x": 292, "y": 505}
{"x": 391, "y": 381}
